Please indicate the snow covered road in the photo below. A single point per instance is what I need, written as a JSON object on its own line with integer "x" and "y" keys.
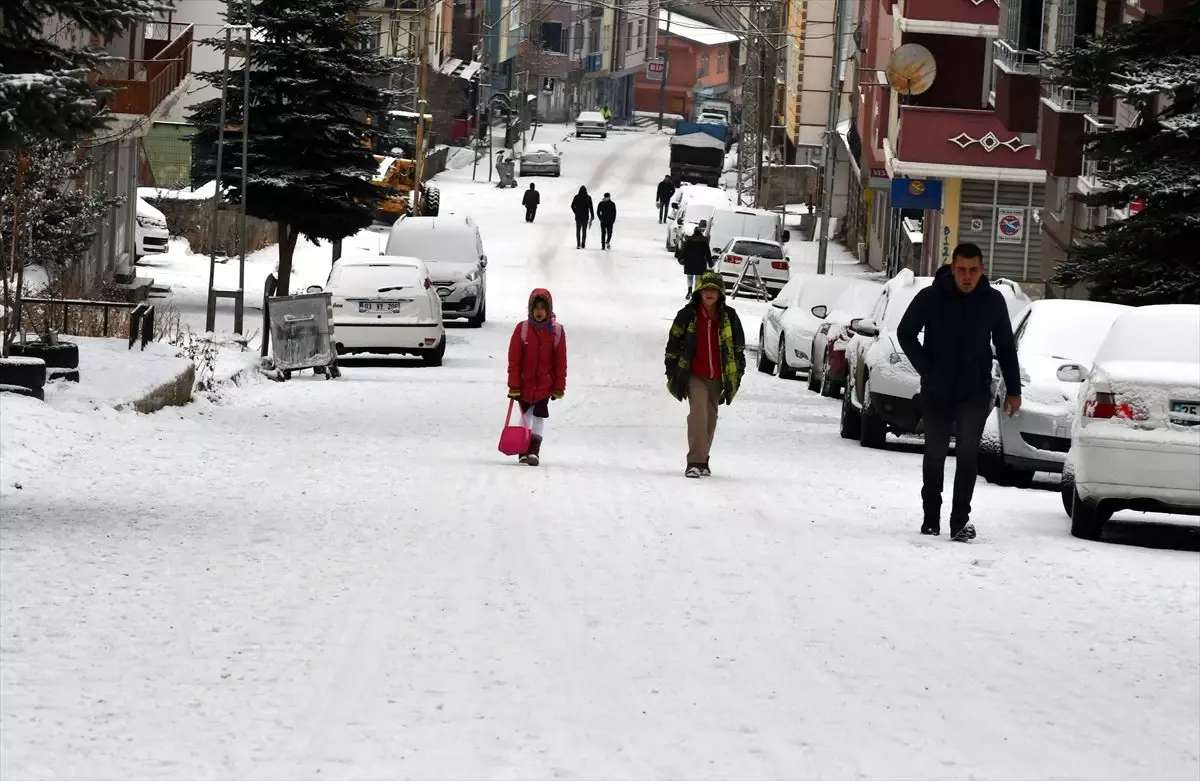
{"x": 346, "y": 580}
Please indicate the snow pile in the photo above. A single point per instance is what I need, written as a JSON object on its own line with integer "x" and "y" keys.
{"x": 112, "y": 375}
{"x": 201, "y": 193}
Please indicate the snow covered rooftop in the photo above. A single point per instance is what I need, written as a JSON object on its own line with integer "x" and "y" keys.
{"x": 693, "y": 30}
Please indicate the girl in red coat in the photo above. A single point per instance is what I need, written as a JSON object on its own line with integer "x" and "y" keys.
{"x": 537, "y": 367}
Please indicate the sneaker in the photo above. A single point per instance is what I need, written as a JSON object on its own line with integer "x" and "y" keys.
{"x": 705, "y": 471}
{"x": 692, "y": 471}
{"x": 965, "y": 534}
{"x": 931, "y": 527}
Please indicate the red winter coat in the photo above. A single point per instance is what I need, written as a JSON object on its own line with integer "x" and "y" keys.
{"x": 536, "y": 365}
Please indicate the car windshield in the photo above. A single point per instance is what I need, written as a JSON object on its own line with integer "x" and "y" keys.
{"x": 1076, "y": 338}
{"x": 760, "y": 249}
{"x": 590, "y": 116}
{"x": 370, "y": 280}
{"x": 898, "y": 300}
{"x": 855, "y": 301}
{"x": 434, "y": 246}
{"x": 539, "y": 149}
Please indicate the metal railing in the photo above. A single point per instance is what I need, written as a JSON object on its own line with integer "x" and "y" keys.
{"x": 1015, "y": 60}
{"x": 1070, "y": 100}
{"x": 1094, "y": 170}
{"x": 141, "y": 316}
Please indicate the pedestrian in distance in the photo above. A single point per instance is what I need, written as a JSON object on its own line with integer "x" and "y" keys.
{"x": 530, "y": 201}
{"x": 962, "y": 316}
{"x": 606, "y": 212}
{"x": 662, "y": 197}
{"x": 581, "y": 206}
{"x": 695, "y": 255}
{"x": 537, "y": 368}
{"x": 705, "y": 362}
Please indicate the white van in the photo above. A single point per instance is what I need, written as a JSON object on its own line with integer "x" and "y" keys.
{"x": 699, "y": 201}
{"x": 452, "y": 249}
{"x": 744, "y": 222}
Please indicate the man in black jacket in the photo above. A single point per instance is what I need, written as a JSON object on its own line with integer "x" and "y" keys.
{"x": 530, "y": 202}
{"x": 962, "y": 316}
{"x": 666, "y": 189}
{"x": 606, "y": 212}
{"x": 695, "y": 255}
{"x": 581, "y": 206}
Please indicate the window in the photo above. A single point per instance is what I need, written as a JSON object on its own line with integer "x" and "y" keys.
{"x": 641, "y": 34}
{"x": 577, "y": 39}
{"x": 594, "y": 37}
{"x": 514, "y": 15}
{"x": 703, "y": 66}
{"x": 721, "y": 65}
{"x": 629, "y": 36}
{"x": 552, "y": 37}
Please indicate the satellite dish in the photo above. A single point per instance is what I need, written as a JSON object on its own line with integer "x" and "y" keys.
{"x": 911, "y": 69}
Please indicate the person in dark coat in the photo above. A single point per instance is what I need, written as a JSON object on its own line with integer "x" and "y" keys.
{"x": 962, "y": 316}
{"x": 530, "y": 202}
{"x": 695, "y": 255}
{"x": 606, "y": 212}
{"x": 666, "y": 189}
{"x": 584, "y": 212}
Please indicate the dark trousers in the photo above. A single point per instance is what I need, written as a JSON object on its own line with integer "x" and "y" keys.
{"x": 965, "y": 421}
{"x": 606, "y": 233}
{"x": 530, "y": 213}
{"x": 581, "y": 227}
{"x": 663, "y": 207}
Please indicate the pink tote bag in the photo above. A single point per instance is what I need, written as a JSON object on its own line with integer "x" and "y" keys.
{"x": 514, "y": 440}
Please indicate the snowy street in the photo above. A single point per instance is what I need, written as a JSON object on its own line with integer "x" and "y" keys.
{"x": 345, "y": 579}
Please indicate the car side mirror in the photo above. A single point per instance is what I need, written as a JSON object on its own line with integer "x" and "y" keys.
{"x": 820, "y": 311}
{"x": 1071, "y": 372}
{"x": 483, "y": 261}
{"x": 864, "y": 326}
{"x": 787, "y": 236}
{"x": 314, "y": 289}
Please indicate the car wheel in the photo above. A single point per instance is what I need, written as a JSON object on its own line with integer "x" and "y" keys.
{"x": 1067, "y": 492}
{"x": 850, "y": 425}
{"x": 872, "y": 430}
{"x": 1087, "y": 521}
{"x": 829, "y": 387}
{"x": 480, "y": 317}
{"x": 434, "y": 357}
{"x": 433, "y": 201}
{"x": 785, "y": 372}
{"x": 765, "y": 364}
{"x": 814, "y": 384}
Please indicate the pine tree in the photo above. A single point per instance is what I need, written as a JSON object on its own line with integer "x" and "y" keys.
{"x": 44, "y": 86}
{"x": 1153, "y": 256}
{"x": 311, "y": 129}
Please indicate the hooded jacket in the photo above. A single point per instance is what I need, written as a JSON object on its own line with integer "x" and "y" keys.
{"x": 536, "y": 365}
{"x": 683, "y": 338}
{"x": 581, "y": 205}
{"x": 606, "y": 211}
{"x": 695, "y": 254}
{"x": 666, "y": 188}
{"x": 955, "y": 360}
{"x": 532, "y": 198}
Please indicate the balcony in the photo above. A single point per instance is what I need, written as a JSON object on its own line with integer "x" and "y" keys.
{"x": 977, "y": 18}
{"x": 1065, "y": 100}
{"x": 1017, "y": 87}
{"x": 1093, "y": 171}
{"x": 937, "y": 142}
{"x": 147, "y": 83}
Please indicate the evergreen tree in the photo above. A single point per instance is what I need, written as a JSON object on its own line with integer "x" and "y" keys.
{"x": 311, "y": 129}
{"x": 44, "y": 88}
{"x": 1153, "y": 256}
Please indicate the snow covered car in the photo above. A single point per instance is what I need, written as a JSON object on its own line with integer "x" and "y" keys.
{"x": 386, "y": 304}
{"x": 1135, "y": 443}
{"x": 452, "y": 248}
{"x": 541, "y": 159}
{"x": 591, "y": 123}
{"x": 828, "y": 353}
{"x": 790, "y": 322}
{"x": 696, "y": 203}
{"x": 1057, "y": 341}
{"x": 151, "y": 233}
{"x": 882, "y": 387}
{"x": 773, "y": 265}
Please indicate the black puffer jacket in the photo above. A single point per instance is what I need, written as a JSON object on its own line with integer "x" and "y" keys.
{"x": 666, "y": 188}
{"x": 695, "y": 254}
{"x": 955, "y": 361}
{"x": 581, "y": 205}
{"x": 606, "y": 211}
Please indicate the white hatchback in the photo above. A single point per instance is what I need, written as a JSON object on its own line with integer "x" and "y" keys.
{"x": 1135, "y": 444}
{"x": 767, "y": 256}
{"x": 386, "y": 304}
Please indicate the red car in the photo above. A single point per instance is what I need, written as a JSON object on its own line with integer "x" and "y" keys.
{"x": 828, "y": 374}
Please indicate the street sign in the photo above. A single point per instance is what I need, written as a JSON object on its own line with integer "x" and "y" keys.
{"x": 1010, "y": 224}
{"x": 655, "y": 70}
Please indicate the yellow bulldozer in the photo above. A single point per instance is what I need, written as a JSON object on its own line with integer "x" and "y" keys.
{"x": 400, "y": 172}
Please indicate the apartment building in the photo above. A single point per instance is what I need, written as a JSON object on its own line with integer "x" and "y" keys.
{"x": 699, "y": 65}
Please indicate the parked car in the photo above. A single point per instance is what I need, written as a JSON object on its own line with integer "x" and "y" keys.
{"x": 695, "y": 203}
{"x": 677, "y": 199}
{"x": 591, "y": 123}
{"x": 541, "y": 159}
{"x": 151, "y": 232}
{"x": 452, "y": 249}
{"x": 792, "y": 319}
{"x": 1057, "y": 341}
{"x": 386, "y": 304}
{"x": 731, "y": 221}
{"x": 1135, "y": 443}
{"x": 773, "y": 265}
{"x": 828, "y": 373}
{"x": 882, "y": 387}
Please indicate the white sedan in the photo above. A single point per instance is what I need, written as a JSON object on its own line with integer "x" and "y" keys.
{"x": 386, "y": 304}
{"x": 1135, "y": 444}
{"x": 541, "y": 159}
{"x": 591, "y": 123}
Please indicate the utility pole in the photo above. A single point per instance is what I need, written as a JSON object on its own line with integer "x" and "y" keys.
{"x": 422, "y": 62}
{"x": 666, "y": 55}
{"x": 830, "y": 152}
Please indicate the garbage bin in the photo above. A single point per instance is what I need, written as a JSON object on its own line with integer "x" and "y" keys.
{"x": 302, "y": 333}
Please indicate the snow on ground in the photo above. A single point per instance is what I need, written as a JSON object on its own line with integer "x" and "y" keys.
{"x": 344, "y": 579}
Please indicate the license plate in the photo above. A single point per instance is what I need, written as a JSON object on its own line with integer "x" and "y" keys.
{"x": 379, "y": 306}
{"x": 1186, "y": 407}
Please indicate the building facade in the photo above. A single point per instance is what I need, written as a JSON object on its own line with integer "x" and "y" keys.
{"x": 699, "y": 66}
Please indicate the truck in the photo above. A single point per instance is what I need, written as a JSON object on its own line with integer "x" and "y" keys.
{"x": 698, "y": 153}
{"x": 397, "y": 173}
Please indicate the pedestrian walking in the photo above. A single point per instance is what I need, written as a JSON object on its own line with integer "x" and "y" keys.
{"x": 530, "y": 201}
{"x": 606, "y": 212}
{"x": 695, "y": 255}
{"x": 962, "y": 316}
{"x": 537, "y": 368}
{"x": 705, "y": 362}
{"x": 584, "y": 212}
{"x": 662, "y": 197}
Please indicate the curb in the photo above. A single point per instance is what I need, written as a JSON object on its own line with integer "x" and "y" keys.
{"x": 173, "y": 393}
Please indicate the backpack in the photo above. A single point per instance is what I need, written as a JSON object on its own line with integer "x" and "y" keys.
{"x": 558, "y": 333}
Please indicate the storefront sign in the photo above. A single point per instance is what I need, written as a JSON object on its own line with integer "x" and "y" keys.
{"x": 655, "y": 70}
{"x": 916, "y": 193}
{"x": 1010, "y": 225}
{"x": 880, "y": 172}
